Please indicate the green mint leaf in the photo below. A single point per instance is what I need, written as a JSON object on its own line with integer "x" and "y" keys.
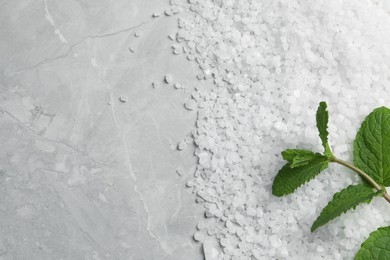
{"x": 376, "y": 247}
{"x": 298, "y": 157}
{"x": 372, "y": 146}
{"x": 289, "y": 179}
{"x": 290, "y": 154}
{"x": 342, "y": 201}
{"x": 322, "y": 117}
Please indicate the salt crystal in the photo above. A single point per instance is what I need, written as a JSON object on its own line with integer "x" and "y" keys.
{"x": 168, "y": 78}
{"x": 123, "y": 99}
{"x": 182, "y": 145}
{"x": 155, "y": 84}
{"x": 198, "y": 236}
{"x": 188, "y": 139}
{"x": 275, "y": 241}
{"x": 179, "y": 172}
{"x": 176, "y": 10}
{"x": 168, "y": 12}
{"x": 190, "y": 105}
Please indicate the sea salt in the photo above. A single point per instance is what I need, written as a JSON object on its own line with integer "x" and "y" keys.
{"x": 270, "y": 64}
{"x": 168, "y": 78}
{"x": 190, "y": 105}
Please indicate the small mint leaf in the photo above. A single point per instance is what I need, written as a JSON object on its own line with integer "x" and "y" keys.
{"x": 376, "y": 246}
{"x": 342, "y": 201}
{"x": 372, "y": 146}
{"x": 290, "y": 154}
{"x": 289, "y": 179}
{"x": 322, "y": 117}
{"x": 298, "y": 157}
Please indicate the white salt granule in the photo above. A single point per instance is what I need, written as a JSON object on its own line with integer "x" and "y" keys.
{"x": 176, "y": 10}
{"x": 178, "y": 85}
{"x": 123, "y": 99}
{"x": 182, "y": 145}
{"x": 190, "y": 104}
{"x": 155, "y": 84}
{"x": 168, "y": 79}
{"x": 179, "y": 172}
{"x": 168, "y": 12}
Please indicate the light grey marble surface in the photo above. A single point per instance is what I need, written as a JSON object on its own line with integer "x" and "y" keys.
{"x": 82, "y": 174}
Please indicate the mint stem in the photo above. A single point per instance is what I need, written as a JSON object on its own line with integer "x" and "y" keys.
{"x": 365, "y": 176}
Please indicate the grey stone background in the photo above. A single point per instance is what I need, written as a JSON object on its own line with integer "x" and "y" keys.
{"x": 82, "y": 174}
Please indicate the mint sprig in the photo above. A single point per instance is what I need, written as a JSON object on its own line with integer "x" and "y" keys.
{"x": 371, "y": 163}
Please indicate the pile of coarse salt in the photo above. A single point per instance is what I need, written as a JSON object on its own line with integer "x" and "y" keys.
{"x": 271, "y": 63}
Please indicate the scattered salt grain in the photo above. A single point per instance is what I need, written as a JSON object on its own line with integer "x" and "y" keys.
{"x": 190, "y": 105}
{"x": 155, "y": 84}
{"x": 123, "y": 99}
{"x": 182, "y": 145}
{"x": 179, "y": 172}
{"x": 168, "y": 12}
{"x": 188, "y": 139}
{"x": 178, "y": 85}
{"x": 156, "y": 14}
{"x": 176, "y": 10}
{"x": 177, "y": 49}
{"x": 168, "y": 79}
{"x": 198, "y": 236}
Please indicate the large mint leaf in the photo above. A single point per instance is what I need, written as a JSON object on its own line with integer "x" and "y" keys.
{"x": 322, "y": 118}
{"x": 372, "y": 146}
{"x": 289, "y": 179}
{"x": 342, "y": 201}
{"x": 376, "y": 247}
{"x": 298, "y": 157}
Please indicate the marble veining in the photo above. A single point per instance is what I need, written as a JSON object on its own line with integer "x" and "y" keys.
{"x": 84, "y": 175}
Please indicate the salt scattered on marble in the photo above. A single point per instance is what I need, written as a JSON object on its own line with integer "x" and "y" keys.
{"x": 198, "y": 236}
{"x": 137, "y": 34}
{"x": 156, "y": 14}
{"x": 168, "y": 12}
{"x": 155, "y": 84}
{"x": 190, "y": 104}
{"x": 179, "y": 172}
{"x": 176, "y": 10}
{"x": 177, "y": 49}
{"x": 168, "y": 78}
{"x": 188, "y": 139}
{"x": 181, "y": 145}
{"x": 177, "y": 85}
{"x": 190, "y": 184}
{"x": 123, "y": 99}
